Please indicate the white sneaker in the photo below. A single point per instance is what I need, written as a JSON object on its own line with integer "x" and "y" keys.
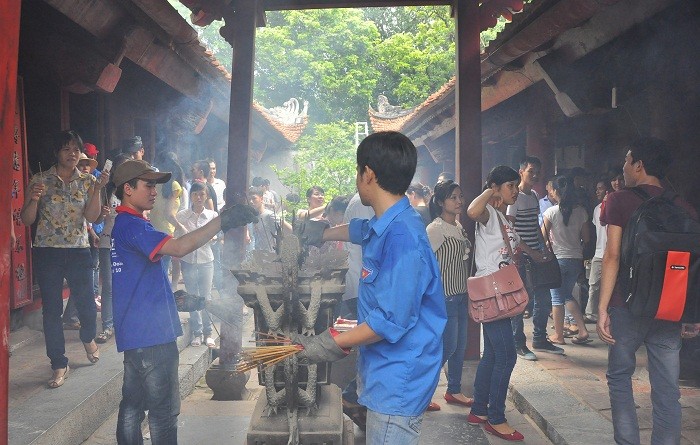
{"x": 210, "y": 342}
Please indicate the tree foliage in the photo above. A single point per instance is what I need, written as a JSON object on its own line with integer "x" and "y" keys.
{"x": 340, "y": 60}
{"x": 325, "y": 157}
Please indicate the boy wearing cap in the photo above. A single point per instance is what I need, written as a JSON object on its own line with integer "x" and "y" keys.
{"x": 146, "y": 321}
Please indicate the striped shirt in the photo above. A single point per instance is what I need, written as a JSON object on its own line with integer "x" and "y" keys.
{"x": 452, "y": 249}
{"x": 526, "y": 211}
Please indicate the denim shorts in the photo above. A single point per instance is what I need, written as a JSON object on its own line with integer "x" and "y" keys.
{"x": 571, "y": 268}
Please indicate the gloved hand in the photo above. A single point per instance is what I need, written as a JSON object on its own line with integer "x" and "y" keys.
{"x": 237, "y": 215}
{"x": 319, "y": 348}
{"x": 310, "y": 232}
{"x": 187, "y": 302}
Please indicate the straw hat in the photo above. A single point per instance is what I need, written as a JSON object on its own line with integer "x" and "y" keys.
{"x": 91, "y": 162}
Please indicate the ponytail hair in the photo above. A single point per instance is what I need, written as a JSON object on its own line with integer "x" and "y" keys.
{"x": 564, "y": 187}
{"x": 441, "y": 192}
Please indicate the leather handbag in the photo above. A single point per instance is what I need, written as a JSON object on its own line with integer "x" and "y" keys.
{"x": 498, "y": 295}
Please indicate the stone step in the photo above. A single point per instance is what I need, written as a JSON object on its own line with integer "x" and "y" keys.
{"x": 90, "y": 395}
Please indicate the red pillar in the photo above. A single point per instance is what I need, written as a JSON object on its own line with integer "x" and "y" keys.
{"x": 468, "y": 123}
{"x": 9, "y": 47}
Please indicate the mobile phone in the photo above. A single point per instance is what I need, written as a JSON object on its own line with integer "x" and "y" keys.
{"x": 108, "y": 165}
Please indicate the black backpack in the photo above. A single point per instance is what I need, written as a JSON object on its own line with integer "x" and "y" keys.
{"x": 660, "y": 260}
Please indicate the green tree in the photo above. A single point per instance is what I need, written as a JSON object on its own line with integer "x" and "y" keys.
{"x": 324, "y": 157}
{"x": 325, "y": 56}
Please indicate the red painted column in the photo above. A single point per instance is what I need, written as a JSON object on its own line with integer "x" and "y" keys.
{"x": 468, "y": 124}
{"x": 9, "y": 47}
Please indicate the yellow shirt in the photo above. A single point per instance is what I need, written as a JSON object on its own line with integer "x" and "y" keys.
{"x": 163, "y": 207}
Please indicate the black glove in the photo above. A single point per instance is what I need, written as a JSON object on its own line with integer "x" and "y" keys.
{"x": 319, "y": 348}
{"x": 237, "y": 215}
{"x": 310, "y": 232}
{"x": 187, "y": 302}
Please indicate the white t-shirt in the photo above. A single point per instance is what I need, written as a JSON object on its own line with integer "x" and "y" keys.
{"x": 490, "y": 252}
{"x": 601, "y": 233}
{"x": 219, "y": 187}
{"x": 566, "y": 239}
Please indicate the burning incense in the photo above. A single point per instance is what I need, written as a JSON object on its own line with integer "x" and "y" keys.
{"x": 271, "y": 349}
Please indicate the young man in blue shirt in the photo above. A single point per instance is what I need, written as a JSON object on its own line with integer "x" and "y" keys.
{"x": 401, "y": 305}
{"x": 146, "y": 321}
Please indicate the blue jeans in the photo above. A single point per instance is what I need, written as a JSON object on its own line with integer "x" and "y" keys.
{"x": 51, "y": 266}
{"x": 198, "y": 281}
{"x": 570, "y": 268}
{"x": 106, "y": 273}
{"x": 150, "y": 384}
{"x": 385, "y": 429}
{"x": 454, "y": 341}
{"x": 493, "y": 373}
{"x": 663, "y": 342}
{"x": 216, "y": 247}
{"x": 541, "y": 303}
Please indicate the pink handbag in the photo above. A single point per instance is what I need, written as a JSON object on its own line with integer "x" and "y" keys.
{"x": 498, "y": 295}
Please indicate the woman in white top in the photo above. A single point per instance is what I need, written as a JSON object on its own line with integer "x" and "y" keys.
{"x": 490, "y": 254}
{"x": 564, "y": 228}
{"x": 452, "y": 248}
{"x": 198, "y": 266}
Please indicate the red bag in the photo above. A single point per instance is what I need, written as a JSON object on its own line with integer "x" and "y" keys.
{"x": 498, "y": 295}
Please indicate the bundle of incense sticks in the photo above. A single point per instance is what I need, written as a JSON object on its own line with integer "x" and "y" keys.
{"x": 271, "y": 349}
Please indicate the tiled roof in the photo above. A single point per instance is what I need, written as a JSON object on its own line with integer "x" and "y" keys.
{"x": 290, "y": 132}
{"x": 382, "y": 123}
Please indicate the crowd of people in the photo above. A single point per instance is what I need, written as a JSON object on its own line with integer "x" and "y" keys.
{"x": 122, "y": 236}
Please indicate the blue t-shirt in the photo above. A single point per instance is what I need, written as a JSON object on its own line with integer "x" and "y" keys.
{"x": 401, "y": 298}
{"x": 144, "y": 308}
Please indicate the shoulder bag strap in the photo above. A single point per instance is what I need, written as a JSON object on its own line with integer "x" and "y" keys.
{"x": 505, "y": 236}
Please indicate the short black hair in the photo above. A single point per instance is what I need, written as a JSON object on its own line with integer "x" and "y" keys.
{"x": 119, "y": 192}
{"x": 204, "y": 166}
{"x": 338, "y": 204}
{"x": 256, "y": 190}
{"x": 530, "y": 160}
{"x": 198, "y": 187}
{"x": 257, "y": 181}
{"x": 63, "y": 138}
{"x": 500, "y": 175}
{"x": 653, "y": 153}
{"x": 392, "y": 157}
{"x": 418, "y": 188}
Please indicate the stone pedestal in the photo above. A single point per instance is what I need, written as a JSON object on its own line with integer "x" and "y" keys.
{"x": 326, "y": 425}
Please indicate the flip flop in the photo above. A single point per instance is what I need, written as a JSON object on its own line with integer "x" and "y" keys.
{"x": 585, "y": 341}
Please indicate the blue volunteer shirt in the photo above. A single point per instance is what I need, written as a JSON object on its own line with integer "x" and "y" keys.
{"x": 401, "y": 298}
{"x": 142, "y": 300}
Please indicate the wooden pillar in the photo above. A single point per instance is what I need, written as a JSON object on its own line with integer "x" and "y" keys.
{"x": 9, "y": 47}
{"x": 468, "y": 122}
{"x": 239, "y": 31}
